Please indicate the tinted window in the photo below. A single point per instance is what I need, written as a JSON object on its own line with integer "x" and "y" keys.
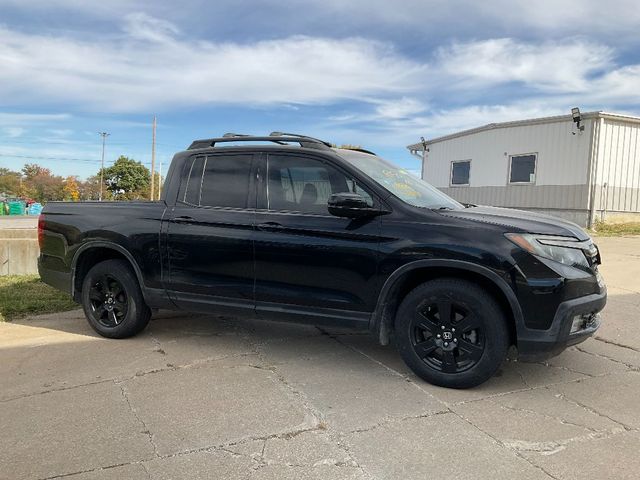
{"x": 226, "y": 181}
{"x": 305, "y": 185}
{"x": 523, "y": 169}
{"x": 460, "y": 173}
{"x": 191, "y": 188}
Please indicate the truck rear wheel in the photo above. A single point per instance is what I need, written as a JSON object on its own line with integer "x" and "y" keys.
{"x": 112, "y": 300}
{"x": 451, "y": 333}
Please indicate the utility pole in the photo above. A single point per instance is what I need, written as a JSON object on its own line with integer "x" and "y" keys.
{"x": 104, "y": 136}
{"x": 153, "y": 160}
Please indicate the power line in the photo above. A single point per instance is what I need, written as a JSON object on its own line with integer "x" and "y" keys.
{"x": 32, "y": 157}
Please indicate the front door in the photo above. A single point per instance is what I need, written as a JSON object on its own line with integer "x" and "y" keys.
{"x": 309, "y": 262}
{"x": 210, "y": 234}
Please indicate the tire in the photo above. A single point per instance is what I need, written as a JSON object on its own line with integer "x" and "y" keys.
{"x": 461, "y": 350}
{"x": 112, "y": 300}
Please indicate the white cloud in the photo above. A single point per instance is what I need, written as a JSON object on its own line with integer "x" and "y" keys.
{"x": 153, "y": 69}
{"x": 145, "y": 27}
{"x": 399, "y": 108}
{"x": 559, "y": 66}
{"x": 13, "y": 132}
{"x": 10, "y": 118}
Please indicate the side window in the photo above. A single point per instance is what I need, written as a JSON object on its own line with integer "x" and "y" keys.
{"x": 191, "y": 184}
{"x": 226, "y": 181}
{"x": 523, "y": 169}
{"x": 304, "y": 185}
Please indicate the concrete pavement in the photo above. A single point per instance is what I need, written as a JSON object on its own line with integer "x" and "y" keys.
{"x": 198, "y": 396}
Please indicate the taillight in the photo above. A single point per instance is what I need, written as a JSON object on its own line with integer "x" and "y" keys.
{"x": 40, "y": 230}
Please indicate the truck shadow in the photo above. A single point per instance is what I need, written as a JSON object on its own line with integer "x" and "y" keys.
{"x": 61, "y": 350}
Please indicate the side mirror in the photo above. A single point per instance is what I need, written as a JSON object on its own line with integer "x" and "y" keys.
{"x": 350, "y": 205}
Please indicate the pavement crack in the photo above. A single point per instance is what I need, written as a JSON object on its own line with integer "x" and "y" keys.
{"x": 158, "y": 346}
{"x": 506, "y": 446}
{"x": 96, "y": 469}
{"x": 546, "y": 415}
{"x": 611, "y": 342}
{"x": 565, "y": 368}
{"x": 593, "y": 411}
{"x": 169, "y": 368}
{"x": 53, "y": 390}
{"x": 146, "y": 470}
{"x": 146, "y": 431}
{"x": 523, "y": 380}
{"x": 553, "y": 447}
{"x": 607, "y": 357}
{"x": 391, "y": 421}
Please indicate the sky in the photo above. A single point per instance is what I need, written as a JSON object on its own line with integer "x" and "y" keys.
{"x": 374, "y": 73}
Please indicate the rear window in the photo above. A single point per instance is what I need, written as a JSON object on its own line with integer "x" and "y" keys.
{"x": 226, "y": 181}
{"x": 191, "y": 189}
{"x": 217, "y": 181}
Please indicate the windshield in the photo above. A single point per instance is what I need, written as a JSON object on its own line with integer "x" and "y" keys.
{"x": 400, "y": 182}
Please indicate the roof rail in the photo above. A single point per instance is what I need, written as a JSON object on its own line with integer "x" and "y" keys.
{"x": 358, "y": 149}
{"x": 230, "y": 134}
{"x": 303, "y": 141}
{"x": 285, "y": 134}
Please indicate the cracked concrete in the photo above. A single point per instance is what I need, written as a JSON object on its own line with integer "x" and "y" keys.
{"x": 204, "y": 396}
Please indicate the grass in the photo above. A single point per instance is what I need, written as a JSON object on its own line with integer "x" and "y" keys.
{"x": 616, "y": 229}
{"x": 22, "y": 295}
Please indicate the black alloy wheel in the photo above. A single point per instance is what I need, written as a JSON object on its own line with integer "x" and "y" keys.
{"x": 447, "y": 336}
{"x": 109, "y": 302}
{"x": 451, "y": 332}
{"x": 112, "y": 300}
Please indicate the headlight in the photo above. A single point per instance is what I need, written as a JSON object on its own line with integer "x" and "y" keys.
{"x": 565, "y": 250}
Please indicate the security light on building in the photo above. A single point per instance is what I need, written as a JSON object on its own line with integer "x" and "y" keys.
{"x": 582, "y": 167}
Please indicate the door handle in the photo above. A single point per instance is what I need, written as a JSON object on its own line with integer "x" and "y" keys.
{"x": 269, "y": 226}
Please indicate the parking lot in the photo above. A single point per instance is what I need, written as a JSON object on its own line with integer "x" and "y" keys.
{"x": 198, "y": 396}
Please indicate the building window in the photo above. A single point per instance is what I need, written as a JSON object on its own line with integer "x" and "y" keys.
{"x": 523, "y": 168}
{"x": 460, "y": 171}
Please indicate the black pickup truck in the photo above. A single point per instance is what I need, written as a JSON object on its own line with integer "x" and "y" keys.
{"x": 286, "y": 228}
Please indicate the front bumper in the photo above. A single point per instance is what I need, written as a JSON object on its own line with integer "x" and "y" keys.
{"x": 536, "y": 345}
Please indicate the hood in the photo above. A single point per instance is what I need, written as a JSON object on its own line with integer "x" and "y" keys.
{"x": 519, "y": 220}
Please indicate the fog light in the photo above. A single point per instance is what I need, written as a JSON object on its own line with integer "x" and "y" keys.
{"x": 580, "y": 322}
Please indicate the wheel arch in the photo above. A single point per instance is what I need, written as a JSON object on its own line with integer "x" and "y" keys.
{"x": 408, "y": 276}
{"x": 94, "y": 252}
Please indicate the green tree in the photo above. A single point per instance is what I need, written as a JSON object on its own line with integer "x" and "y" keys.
{"x": 31, "y": 170}
{"x": 90, "y": 188}
{"x": 127, "y": 179}
{"x": 9, "y": 181}
{"x": 38, "y": 183}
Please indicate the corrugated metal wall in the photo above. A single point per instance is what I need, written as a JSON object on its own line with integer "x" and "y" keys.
{"x": 562, "y": 158}
{"x": 618, "y": 167}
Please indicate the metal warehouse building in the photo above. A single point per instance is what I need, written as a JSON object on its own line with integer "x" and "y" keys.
{"x": 580, "y": 167}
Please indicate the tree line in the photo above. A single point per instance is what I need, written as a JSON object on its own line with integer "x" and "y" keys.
{"x": 126, "y": 179}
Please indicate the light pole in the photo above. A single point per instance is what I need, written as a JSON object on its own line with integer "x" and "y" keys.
{"x": 152, "y": 195}
{"x": 104, "y": 136}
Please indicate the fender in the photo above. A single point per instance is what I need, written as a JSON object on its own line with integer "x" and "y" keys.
{"x": 380, "y": 325}
{"x": 105, "y": 244}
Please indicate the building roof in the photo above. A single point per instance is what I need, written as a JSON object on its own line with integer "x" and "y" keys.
{"x": 518, "y": 123}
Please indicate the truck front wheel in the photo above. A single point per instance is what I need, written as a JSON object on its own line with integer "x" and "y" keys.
{"x": 112, "y": 300}
{"x": 451, "y": 333}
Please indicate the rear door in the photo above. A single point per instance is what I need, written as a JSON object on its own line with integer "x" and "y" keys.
{"x": 309, "y": 262}
{"x": 210, "y": 234}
